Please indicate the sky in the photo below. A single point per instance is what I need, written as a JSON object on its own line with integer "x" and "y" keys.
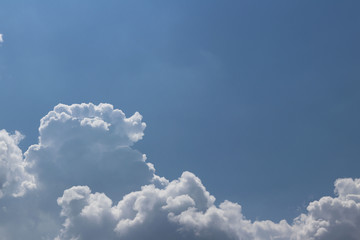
{"x": 255, "y": 103}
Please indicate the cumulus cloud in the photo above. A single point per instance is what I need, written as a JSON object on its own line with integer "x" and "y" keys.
{"x": 145, "y": 214}
{"x": 87, "y": 144}
{"x": 94, "y": 123}
{"x": 14, "y": 177}
{"x": 185, "y": 210}
{"x": 79, "y": 144}
{"x": 83, "y": 180}
{"x": 333, "y": 218}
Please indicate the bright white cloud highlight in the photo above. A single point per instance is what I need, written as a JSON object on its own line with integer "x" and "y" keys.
{"x": 1, "y": 38}
{"x": 84, "y": 181}
{"x": 79, "y": 144}
{"x": 14, "y": 178}
{"x": 101, "y": 122}
{"x": 185, "y": 210}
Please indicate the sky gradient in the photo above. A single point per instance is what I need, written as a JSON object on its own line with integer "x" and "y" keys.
{"x": 259, "y": 99}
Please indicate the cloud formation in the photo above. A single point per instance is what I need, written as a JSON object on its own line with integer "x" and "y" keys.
{"x": 83, "y": 180}
{"x": 185, "y": 210}
{"x": 1, "y": 38}
{"x": 85, "y": 144}
{"x": 80, "y": 144}
{"x": 14, "y": 177}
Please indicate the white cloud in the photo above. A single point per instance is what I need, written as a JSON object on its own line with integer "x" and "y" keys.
{"x": 143, "y": 214}
{"x": 80, "y": 144}
{"x": 14, "y": 177}
{"x": 185, "y": 210}
{"x": 86, "y": 147}
{"x": 90, "y": 145}
{"x": 333, "y": 218}
{"x": 104, "y": 125}
{"x": 1, "y": 38}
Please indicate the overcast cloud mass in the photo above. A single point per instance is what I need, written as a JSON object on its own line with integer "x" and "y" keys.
{"x": 84, "y": 180}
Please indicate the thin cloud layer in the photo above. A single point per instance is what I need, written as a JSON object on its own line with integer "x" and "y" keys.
{"x": 84, "y": 181}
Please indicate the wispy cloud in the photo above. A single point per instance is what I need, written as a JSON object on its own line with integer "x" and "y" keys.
{"x": 1, "y": 38}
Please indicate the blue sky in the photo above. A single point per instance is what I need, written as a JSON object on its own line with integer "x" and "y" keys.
{"x": 259, "y": 99}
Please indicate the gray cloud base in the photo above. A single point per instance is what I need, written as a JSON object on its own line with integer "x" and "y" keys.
{"x": 84, "y": 181}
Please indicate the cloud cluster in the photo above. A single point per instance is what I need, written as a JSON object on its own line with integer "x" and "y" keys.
{"x": 84, "y": 181}
{"x": 333, "y": 218}
{"x": 185, "y": 210}
{"x": 145, "y": 214}
{"x": 80, "y": 144}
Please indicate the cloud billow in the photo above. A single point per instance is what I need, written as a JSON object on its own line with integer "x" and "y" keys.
{"x": 84, "y": 181}
{"x": 14, "y": 178}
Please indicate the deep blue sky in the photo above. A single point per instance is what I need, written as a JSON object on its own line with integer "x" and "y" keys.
{"x": 257, "y": 98}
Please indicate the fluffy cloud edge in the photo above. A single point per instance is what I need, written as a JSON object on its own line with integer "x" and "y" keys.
{"x": 78, "y": 135}
{"x": 187, "y": 211}
{"x": 15, "y": 180}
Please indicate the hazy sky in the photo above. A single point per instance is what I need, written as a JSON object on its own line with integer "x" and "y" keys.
{"x": 259, "y": 99}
